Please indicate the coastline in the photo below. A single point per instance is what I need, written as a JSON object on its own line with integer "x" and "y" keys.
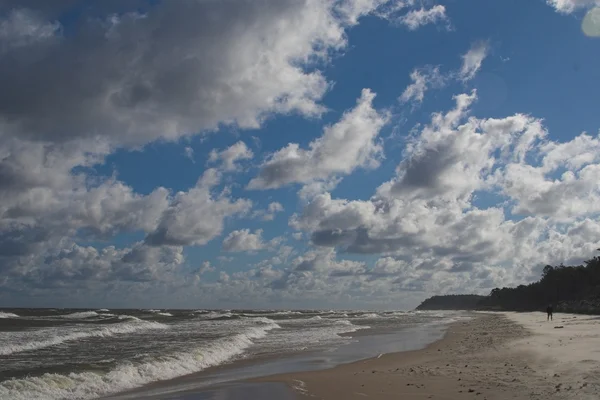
{"x": 234, "y": 380}
{"x": 494, "y": 356}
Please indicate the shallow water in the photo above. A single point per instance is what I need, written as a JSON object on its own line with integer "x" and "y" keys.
{"x": 86, "y": 354}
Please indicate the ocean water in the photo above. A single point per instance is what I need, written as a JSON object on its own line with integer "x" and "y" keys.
{"x": 50, "y": 354}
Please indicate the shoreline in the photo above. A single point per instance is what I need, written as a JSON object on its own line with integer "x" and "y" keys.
{"x": 228, "y": 379}
{"x": 492, "y": 357}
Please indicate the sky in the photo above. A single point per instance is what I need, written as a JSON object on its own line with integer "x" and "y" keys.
{"x": 293, "y": 153}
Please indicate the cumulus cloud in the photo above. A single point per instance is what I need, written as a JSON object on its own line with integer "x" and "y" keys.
{"x": 205, "y": 268}
{"x": 414, "y": 19}
{"x": 244, "y": 240}
{"x": 123, "y": 77}
{"x": 77, "y": 266}
{"x": 344, "y": 146}
{"x": 171, "y": 81}
{"x": 542, "y": 190}
{"x": 427, "y": 218}
{"x": 569, "y": 6}
{"x": 472, "y": 60}
{"x": 196, "y": 216}
{"x": 231, "y": 155}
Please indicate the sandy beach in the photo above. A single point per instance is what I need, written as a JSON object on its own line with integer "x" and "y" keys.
{"x": 492, "y": 356}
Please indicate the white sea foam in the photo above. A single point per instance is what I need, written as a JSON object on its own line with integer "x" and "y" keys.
{"x": 321, "y": 333}
{"x": 217, "y": 314}
{"x": 8, "y": 315}
{"x": 287, "y": 313}
{"x": 54, "y": 338}
{"x": 369, "y": 315}
{"x": 131, "y": 317}
{"x": 89, "y": 385}
{"x": 103, "y": 310}
{"x": 80, "y": 315}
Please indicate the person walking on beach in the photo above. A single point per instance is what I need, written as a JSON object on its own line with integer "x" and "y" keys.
{"x": 549, "y": 311}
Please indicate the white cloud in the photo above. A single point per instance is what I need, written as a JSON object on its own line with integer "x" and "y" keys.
{"x": 414, "y": 19}
{"x": 298, "y": 235}
{"x": 74, "y": 266}
{"x": 348, "y": 144}
{"x": 472, "y": 60}
{"x": 205, "y": 268}
{"x": 189, "y": 153}
{"x": 244, "y": 240}
{"x": 569, "y": 6}
{"x": 182, "y": 74}
{"x": 429, "y": 77}
{"x": 275, "y": 207}
{"x": 231, "y": 155}
{"x": 427, "y": 221}
{"x": 423, "y": 79}
{"x": 195, "y": 217}
{"x": 159, "y": 89}
{"x": 269, "y": 214}
{"x": 539, "y": 190}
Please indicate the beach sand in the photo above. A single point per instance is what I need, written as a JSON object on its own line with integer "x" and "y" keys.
{"x": 493, "y": 356}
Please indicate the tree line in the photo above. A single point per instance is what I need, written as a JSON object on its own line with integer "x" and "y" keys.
{"x": 567, "y": 288}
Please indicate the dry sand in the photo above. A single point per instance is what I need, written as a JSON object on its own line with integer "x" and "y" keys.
{"x": 492, "y": 356}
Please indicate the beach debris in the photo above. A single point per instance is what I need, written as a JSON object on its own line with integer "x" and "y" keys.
{"x": 558, "y": 327}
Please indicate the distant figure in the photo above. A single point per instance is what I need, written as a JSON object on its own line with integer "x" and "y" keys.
{"x": 549, "y": 311}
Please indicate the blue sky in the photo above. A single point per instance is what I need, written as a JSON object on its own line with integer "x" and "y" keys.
{"x": 347, "y": 154}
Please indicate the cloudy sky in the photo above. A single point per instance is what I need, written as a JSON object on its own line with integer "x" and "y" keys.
{"x": 293, "y": 153}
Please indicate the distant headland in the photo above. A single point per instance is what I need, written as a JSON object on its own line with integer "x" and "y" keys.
{"x": 574, "y": 289}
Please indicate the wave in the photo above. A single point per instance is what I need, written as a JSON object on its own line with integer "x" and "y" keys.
{"x": 164, "y": 314}
{"x": 80, "y": 315}
{"x": 103, "y": 310}
{"x": 8, "y": 315}
{"x": 115, "y": 329}
{"x": 215, "y": 315}
{"x": 369, "y": 315}
{"x": 131, "y": 317}
{"x": 87, "y": 385}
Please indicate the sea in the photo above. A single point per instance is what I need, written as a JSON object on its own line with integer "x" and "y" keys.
{"x": 51, "y": 354}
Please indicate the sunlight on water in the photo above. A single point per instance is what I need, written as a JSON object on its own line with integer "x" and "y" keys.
{"x": 591, "y": 23}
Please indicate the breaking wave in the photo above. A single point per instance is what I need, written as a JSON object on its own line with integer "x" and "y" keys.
{"x": 56, "y": 339}
{"x": 8, "y": 315}
{"x": 87, "y": 385}
{"x": 80, "y": 315}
